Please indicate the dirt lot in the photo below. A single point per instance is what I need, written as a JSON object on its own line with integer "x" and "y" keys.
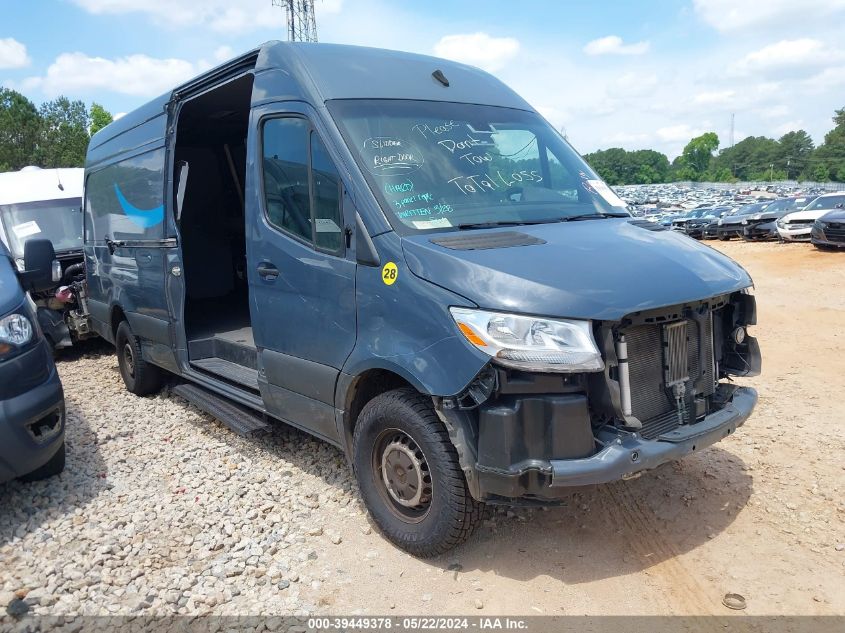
{"x": 163, "y": 510}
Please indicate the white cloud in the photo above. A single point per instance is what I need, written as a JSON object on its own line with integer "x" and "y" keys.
{"x": 730, "y": 15}
{"x": 13, "y": 54}
{"x": 788, "y": 126}
{"x": 635, "y": 84}
{"x": 613, "y": 45}
{"x": 118, "y": 115}
{"x": 223, "y": 53}
{"x": 681, "y": 132}
{"x": 773, "y": 111}
{"x": 223, "y": 16}
{"x": 478, "y": 49}
{"x": 788, "y": 58}
{"x": 715, "y": 97}
{"x": 625, "y": 138}
{"x": 77, "y": 73}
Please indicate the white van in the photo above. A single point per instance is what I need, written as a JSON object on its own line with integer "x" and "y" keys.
{"x": 47, "y": 204}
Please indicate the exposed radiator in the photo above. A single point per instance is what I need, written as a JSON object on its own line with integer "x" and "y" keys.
{"x": 665, "y": 363}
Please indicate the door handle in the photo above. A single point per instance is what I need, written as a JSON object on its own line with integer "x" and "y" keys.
{"x": 114, "y": 245}
{"x": 267, "y": 271}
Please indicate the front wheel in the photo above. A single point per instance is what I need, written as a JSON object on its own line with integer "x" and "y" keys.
{"x": 139, "y": 376}
{"x": 409, "y": 475}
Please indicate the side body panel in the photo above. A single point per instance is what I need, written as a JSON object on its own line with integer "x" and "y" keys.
{"x": 126, "y": 242}
{"x": 405, "y": 327}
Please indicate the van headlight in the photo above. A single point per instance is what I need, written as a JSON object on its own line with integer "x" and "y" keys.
{"x": 531, "y": 343}
{"x": 15, "y": 332}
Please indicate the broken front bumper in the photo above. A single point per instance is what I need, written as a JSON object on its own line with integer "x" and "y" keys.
{"x": 624, "y": 455}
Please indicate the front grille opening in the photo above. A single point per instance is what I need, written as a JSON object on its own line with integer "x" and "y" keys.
{"x": 672, "y": 369}
{"x": 44, "y": 428}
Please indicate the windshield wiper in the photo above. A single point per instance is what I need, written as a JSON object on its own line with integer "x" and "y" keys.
{"x": 487, "y": 225}
{"x": 591, "y": 216}
{"x": 569, "y": 218}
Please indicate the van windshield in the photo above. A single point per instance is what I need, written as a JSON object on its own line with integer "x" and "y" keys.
{"x": 437, "y": 166}
{"x": 59, "y": 221}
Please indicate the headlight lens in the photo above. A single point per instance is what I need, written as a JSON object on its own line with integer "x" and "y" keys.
{"x": 15, "y": 329}
{"x": 531, "y": 343}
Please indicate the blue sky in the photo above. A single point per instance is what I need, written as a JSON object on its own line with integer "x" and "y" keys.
{"x": 612, "y": 74}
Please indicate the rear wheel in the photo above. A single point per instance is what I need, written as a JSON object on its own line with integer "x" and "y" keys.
{"x": 409, "y": 475}
{"x": 55, "y": 466}
{"x": 139, "y": 376}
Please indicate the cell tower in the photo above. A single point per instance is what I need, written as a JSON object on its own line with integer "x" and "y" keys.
{"x": 302, "y": 25}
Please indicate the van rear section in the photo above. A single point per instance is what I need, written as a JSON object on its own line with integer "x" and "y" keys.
{"x": 398, "y": 255}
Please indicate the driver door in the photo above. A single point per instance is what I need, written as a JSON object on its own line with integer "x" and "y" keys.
{"x": 301, "y": 272}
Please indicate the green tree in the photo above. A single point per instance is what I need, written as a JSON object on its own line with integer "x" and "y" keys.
{"x": 617, "y": 166}
{"x": 752, "y": 155}
{"x": 699, "y": 152}
{"x": 99, "y": 117}
{"x": 64, "y": 133}
{"x": 794, "y": 152}
{"x": 820, "y": 173}
{"x": 19, "y": 130}
{"x": 830, "y": 155}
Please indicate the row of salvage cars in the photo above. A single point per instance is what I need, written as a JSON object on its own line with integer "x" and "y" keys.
{"x": 818, "y": 219}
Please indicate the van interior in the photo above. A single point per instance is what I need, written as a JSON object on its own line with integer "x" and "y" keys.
{"x": 211, "y": 139}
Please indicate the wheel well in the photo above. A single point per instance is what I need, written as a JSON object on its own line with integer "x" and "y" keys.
{"x": 367, "y": 386}
{"x": 117, "y": 317}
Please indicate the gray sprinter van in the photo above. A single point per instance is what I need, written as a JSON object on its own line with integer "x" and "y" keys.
{"x": 397, "y": 254}
{"x": 32, "y": 402}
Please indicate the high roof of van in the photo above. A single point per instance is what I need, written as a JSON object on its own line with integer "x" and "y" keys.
{"x": 33, "y": 184}
{"x": 317, "y": 73}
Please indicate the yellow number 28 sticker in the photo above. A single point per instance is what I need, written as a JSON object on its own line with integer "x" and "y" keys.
{"x": 389, "y": 273}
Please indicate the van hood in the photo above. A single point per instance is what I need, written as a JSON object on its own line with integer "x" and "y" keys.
{"x": 592, "y": 269}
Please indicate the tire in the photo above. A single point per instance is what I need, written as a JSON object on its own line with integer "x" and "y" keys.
{"x": 52, "y": 468}
{"x": 400, "y": 427}
{"x": 139, "y": 376}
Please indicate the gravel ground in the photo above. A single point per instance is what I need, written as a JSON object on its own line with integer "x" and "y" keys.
{"x": 162, "y": 510}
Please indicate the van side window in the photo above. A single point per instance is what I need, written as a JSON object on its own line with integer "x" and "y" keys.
{"x": 327, "y": 220}
{"x": 301, "y": 184}
{"x": 125, "y": 200}
{"x": 286, "y": 175}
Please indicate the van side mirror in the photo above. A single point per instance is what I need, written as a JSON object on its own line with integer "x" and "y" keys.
{"x": 42, "y": 271}
{"x": 181, "y": 184}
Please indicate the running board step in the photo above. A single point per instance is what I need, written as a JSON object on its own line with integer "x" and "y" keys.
{"x": 239, "y": 419}
{"x": 233, "y": 372}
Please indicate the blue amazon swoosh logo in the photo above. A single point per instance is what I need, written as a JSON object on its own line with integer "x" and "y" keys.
{"x": 145, "y": 218}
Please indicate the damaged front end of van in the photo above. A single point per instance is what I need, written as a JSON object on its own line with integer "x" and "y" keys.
{"x": 637, "y": 392}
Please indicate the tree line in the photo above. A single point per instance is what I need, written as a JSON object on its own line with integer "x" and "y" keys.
{"x": 55, "y": 134}
{"x": 791, "y": 157}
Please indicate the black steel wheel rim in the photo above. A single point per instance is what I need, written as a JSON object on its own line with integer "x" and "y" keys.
{"x": 129, "y": 360}
{"x": 402, "y": 475}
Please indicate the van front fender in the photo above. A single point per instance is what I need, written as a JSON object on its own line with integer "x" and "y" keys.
{"x": 444, "y": 368}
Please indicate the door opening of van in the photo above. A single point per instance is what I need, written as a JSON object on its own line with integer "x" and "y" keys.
{"x": 210, "y": 168}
